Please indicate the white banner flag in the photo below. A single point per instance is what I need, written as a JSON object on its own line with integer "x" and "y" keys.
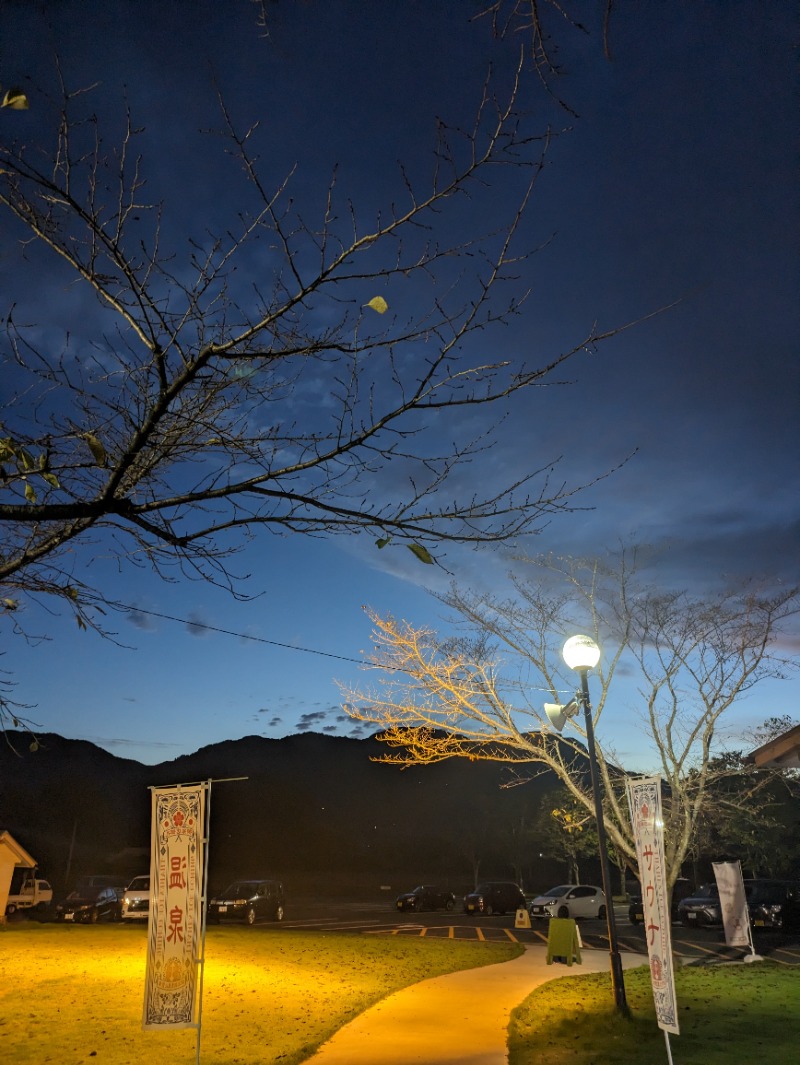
{"x": 644, "y": 797}
{"x": 174, "y": 929}
{"x": 733, "y": 904}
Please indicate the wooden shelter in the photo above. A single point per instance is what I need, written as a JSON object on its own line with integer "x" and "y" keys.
{"x": 12, "y": 855}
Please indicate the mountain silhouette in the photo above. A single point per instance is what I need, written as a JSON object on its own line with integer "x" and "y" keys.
{"x": 317, "y": 811}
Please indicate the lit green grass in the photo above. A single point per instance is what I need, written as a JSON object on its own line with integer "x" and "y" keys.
{"x": 74, "y": 994}
{"x": 728, "y": 1015}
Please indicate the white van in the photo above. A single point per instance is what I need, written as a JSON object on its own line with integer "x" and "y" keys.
{"x": 30, "y": 894}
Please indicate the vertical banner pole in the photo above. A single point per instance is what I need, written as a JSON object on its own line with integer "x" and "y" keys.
{"x": 175, "y": 918}
{"x": 176, "y": 926}
{"x": 204, "y": 903}
{"x": 645, "y": 803}
{"x": 733, "y": 905}
{"x": 669, "y": 1048}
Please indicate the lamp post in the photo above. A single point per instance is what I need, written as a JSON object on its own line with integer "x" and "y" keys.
{"x": 581, "y": 653}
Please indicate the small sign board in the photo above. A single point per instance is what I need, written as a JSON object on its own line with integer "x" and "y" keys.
{"x": 563, "y": 941}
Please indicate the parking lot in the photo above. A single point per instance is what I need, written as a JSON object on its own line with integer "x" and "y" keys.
{"x": 690, "y": 945}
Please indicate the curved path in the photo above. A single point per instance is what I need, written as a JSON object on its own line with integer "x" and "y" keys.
{"x": 458, "y": 1019}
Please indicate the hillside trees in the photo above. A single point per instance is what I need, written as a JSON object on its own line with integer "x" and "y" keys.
{"x": 256, "y": 372}
{"x": 480, "y": 695}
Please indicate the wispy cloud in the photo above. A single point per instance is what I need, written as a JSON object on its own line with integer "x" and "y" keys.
{"x": 146, "y": 622}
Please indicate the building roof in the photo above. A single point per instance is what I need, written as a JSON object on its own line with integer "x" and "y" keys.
{"x": 782, "y": 752}
{"x": 18, "y": 852}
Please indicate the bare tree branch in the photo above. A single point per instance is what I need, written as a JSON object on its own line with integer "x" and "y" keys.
{"x": 194, "y": 417}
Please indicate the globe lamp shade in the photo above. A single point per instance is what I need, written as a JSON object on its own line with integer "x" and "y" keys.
{"x": 581, "y": 652}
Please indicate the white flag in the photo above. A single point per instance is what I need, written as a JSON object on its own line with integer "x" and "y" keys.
{"x": 733, "y": 904}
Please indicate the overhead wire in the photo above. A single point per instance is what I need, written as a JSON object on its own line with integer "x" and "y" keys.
{"x": 193, "y": 623}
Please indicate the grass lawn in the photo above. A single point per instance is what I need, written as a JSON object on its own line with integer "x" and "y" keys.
{"x": 74, "y": 994}
{"x": 728, "y": 1015}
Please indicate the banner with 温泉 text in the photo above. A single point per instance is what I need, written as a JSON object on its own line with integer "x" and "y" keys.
{"x": 733, "y": 904}
{"x": 644, "y": 797}
{"x": 174, "y": 930}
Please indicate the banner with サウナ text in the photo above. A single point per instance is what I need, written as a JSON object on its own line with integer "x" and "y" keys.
{"x": 733, "y": 904}
{"x": 644, "y": 797}
{"x": 174, "y": 930}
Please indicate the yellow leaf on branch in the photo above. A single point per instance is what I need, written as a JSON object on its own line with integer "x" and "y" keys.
{"x": 15, "y": 99}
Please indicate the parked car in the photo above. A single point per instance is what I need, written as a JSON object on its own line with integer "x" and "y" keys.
{"x": 570, "y": 900}
{"x": 702, "y": 908}
{"x": 136, "y": 900}
{"x": 89, "y": 908}
{"x": 426, "y": 897}
{"x": 247, "y": 900}
{"x": 682, "y": 890}
{"x": 773, "y": 903}
{"x": 494, "y": 896}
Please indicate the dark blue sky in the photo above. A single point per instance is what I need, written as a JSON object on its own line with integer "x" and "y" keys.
{"x": 676, "y": 184}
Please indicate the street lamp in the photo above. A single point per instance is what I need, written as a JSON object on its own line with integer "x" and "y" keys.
{"x": 582, "y": 654}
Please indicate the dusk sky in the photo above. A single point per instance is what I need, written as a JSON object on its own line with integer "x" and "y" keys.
{"x": 673, "y": 185}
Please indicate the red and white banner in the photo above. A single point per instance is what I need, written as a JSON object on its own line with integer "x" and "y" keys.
{"x": 733, "y": 904}
{"x": 174, "y": 929}
{"x": 644, "y": 798}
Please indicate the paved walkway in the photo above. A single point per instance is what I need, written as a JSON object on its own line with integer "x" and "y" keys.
{"x": 459, "y": 1019}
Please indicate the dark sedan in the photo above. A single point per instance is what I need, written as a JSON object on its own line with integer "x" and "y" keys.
{"x": 81, "y": 907}
{"x": 426, "y": 897}
{"x": 247, "y": 900}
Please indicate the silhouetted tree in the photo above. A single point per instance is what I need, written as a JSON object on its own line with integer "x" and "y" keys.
{"x": 203, "y": 405}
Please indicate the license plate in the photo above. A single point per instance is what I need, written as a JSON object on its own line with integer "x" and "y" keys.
{"x": 759, "y": 924}
{"x": 692, "y": 916}
{"x": 68, "y": 916}
{"x": 470, "y": 907}
{"x": 223, "y": 909}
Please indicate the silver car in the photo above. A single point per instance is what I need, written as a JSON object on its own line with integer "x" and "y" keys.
{"x": 570, "y": 900}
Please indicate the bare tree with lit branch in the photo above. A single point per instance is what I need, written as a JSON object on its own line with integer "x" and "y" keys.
{"x": 481, "y": 696}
